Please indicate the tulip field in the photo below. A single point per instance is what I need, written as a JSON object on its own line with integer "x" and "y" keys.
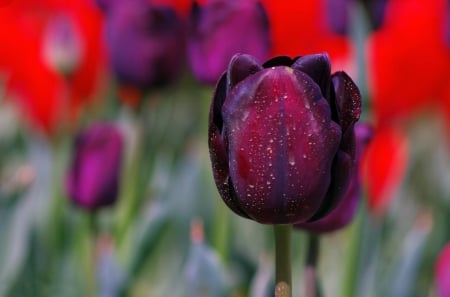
{"x": 224, "y": 148}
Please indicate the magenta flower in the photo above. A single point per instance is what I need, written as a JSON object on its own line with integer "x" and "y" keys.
{"x": 281, "y": 137}
{"x": 443, "y": 273}
{"x": 93, "y": 177}
{"x": 222, "y": 28}
{"x": 344, "y": 212}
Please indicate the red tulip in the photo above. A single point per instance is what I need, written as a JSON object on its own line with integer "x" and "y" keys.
{"x": 303, "y": 27}
{"x": 384, "y": 166}
{"x": 46, "y": 95}
{"x": 408, "y": 58}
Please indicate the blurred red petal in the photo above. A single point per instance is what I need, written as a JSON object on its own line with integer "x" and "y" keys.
{"x": 408, "y": 58}
{"x": 301, "y": 28}
{"x": 384, "y": 166}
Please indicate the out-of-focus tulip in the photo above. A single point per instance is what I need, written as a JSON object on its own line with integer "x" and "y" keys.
{"x": 37, "y": 50}
{"x": 419, "y": 59}
{"x": 375, "y": 10}
{"x": 93, "y": 176}
{"x": 146, "y": 43}
{"x": 303, "y": 27}
{"x": 223, "y": 28}
{"x": 344, "y": 212}
{"x": 384, "y": 165}
{"x": 340, "y": 12}
{"x": 281, "y": 137}
{"x": 442, "y": 278}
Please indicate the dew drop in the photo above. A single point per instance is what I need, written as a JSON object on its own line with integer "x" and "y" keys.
{"x": 245, "y": 115}
{"x": 291, "y": 159}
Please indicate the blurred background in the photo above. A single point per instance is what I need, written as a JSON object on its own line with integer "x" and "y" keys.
{"x": 106, "y": 186}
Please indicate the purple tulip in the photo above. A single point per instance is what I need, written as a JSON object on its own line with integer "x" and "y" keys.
{"x": 146, "y": 43}
{"x": 443, "y": 273}
{"x": 340, "y": 13}
{"x": 281, "y": 137}
{"x": 222, "y": 28}
{"x": 344, "y": 212}
{"x": 93, "y": 176}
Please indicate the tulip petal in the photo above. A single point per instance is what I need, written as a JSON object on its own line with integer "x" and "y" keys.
{"x": 217, "y": 149}
{"x": 240, "y": 67}
{"x": 279, "y": 61}
{"x": 348, "y": 100}
{"x": 345, "y": 210}
{"x": 340, "y": 178}
{"x": 318, "y": 67}
{"x": 220, "y": 94}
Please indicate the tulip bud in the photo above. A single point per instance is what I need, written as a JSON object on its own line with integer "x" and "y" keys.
{"x": 281, "y": 137}
{"x": 344, "y": 212}
{"x": 222, "y": 28}
{"x": 146, "y": 43}
{"x": 443, "y": 273}
{"x": 93, "y": 176}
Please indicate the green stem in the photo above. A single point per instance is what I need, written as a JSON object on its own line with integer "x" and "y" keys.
{"x": 312, "y": 256}
{"x": 353, "y": 255}
{"x": 91, "y": 267}
{"x": 283, "y": 277}
{"x": 221, "y": 233}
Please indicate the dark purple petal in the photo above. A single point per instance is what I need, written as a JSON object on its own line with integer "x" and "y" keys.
{"x": 344, "y": 212}
{"x": 220, "y": 94}
{"x": 340, "y": 178}
{"x": 281, "y": 144}
{"x": 279, "y": 61}
{"x": 348, "y": 99}
{"x": 318, "y": 67}
{"x": 240, "y": 67}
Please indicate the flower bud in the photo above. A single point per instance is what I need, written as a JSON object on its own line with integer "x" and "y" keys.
{"x": 281, "y": 137}
{"x": 344, "y": 212}
{"x": 222, "y": 28}
{"x": 93, "y": 176}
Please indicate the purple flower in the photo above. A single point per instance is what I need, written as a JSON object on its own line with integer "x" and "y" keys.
{"x": 340, "y": 13}
{"x": 222, "y": 28}
{"x": 93, "y": 176}
{"x": 281, "y": 137}
{"x": 344, "y": 212}
{"x": 146, "y": 43}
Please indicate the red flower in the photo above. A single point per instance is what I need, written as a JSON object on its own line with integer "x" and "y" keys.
{"x": 384, "y": 164}
{"x": 44, "y": 94}
{"x": 408, "y": 58}
{"x": 302, "y": 27}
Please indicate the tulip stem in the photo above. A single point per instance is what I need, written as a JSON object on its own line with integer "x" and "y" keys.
{"x": 312, "y": 256}
{"x": 91, "y": 274}
{"x": 283, "y": 277}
